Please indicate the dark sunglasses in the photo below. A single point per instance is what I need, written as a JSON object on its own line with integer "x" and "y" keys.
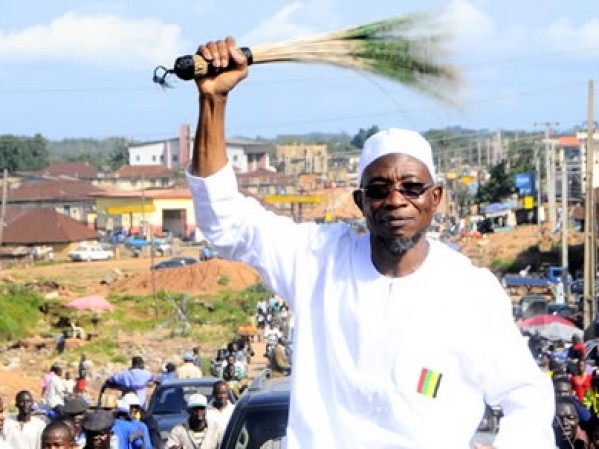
{"x": 410, "y": 190}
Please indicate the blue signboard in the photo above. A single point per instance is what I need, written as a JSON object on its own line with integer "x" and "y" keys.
{"x": 525, "y": 183}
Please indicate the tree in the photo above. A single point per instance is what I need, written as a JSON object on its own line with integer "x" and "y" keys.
{"x": 522, "y": 156}
{"x": 23, "y": 153}
{"x": 118, "y": 156}
{"x": 499, "y": 186}
{"x": 359, "y": 139}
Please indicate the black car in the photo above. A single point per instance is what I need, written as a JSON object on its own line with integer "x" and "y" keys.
{"x": 260, "y": 415}
{"x": 175, "y": 262}
{"x": 168, "y": 404}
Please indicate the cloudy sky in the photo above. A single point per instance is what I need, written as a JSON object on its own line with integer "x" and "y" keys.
{"x": 83, "y": 68}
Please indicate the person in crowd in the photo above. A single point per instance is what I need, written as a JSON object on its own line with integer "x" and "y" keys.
{"x": 24, "y": 431}
{"x": 168, "y": 372}
{"x": 568, "y": 434}
{"x": 68, "y": 421}
{"x": 46, "y": 378}
{"x": 82, "y": 371}
{"x": 218, "y": 363}
{"x": 3, "y": 442}
{"x": 135, "y": 379}
{"x": 138, "y": 413}
{"x": 361, "y": 363}
{"x": 197, "y": 357}
{"x": 220, "y": 409}
{"x": 56, "y": 391}
{"x": 75, "y": 409}
{"x": 279, "y": 364}
{"x": 234, "y": 369}
{"x": 130, "y": 434}
{"x": 69, "y": 384}
{"x": 563, "y": 389}
{"x": 577, "y": 351}
{"x": 188, "y": 370}
{"x": 196, "y": 432}
{"x": 57, "y": 435}
{"x": 581, "y": 380}
{"x": 97, "y": 426}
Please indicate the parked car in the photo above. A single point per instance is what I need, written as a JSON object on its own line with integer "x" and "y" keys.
{"x": 168, "y": 404}
{"x": 208, "y": 252}
{"x": 260, "y": 415}
{"x": 138, "y": 242}
{"x": 86, "y": 252}
{"x": 175, "y": 262}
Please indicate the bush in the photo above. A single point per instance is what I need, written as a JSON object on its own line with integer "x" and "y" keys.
{"x": 20, "y": 313}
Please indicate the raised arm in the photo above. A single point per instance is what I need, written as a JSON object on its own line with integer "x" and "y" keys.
{"x": 209, "y": 153}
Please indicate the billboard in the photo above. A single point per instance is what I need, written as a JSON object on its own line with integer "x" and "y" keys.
{"x": 525, "y": 183}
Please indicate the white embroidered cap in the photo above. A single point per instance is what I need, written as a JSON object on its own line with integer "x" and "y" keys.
{"x": 395, "y": 140}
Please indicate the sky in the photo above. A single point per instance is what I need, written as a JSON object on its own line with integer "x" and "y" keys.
{"x": 83, "y": 69}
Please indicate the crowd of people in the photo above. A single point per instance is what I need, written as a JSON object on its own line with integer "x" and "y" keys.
{"x": 575, "y": 378}
{"x": 68, "y": 417}
{"x": 120, "y": 424}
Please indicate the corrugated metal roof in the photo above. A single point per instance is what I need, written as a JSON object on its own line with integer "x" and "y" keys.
{"x": 70, "y": 170}
{"x": 51, "y": 190}
{"x": 34, "y": 226}
{"x": 137, "y": 171}
{"x": 568, "y": 141}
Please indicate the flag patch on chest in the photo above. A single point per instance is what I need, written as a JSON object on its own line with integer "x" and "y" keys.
{"x": 428, "y": 384}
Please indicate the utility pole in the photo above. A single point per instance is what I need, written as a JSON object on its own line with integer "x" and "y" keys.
{"x": 3, "y": 209}
{"x": 589, "y": 304}
{"x": 564, "y": 223}
{"x": 550, "y": 172}
{"x": 538, "y": 182}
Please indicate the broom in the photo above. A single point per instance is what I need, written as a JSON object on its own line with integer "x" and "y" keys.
{"x": 401, "y": 49}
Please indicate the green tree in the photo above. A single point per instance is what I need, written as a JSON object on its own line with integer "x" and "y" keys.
{"x": 522, "y": 156}
{"x": 23, "y": 153}
{"x": 359, "y": 139}
{"x": 118, "y": 156}
{"x": 499, "y": 186}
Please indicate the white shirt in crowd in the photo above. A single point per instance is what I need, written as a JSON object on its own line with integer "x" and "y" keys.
{"x": 24, "y": 435}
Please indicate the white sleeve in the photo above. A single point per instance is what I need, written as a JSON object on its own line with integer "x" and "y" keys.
{"x": 510, "y": 377}
{"x": 242, "y": 229}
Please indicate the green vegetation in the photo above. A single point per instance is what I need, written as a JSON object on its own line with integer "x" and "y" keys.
{"x": 501, "y": 265}
{"x": 209, "y": 318}
{"x": 20, "y": 312}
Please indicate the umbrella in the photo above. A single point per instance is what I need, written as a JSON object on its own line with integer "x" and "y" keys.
{"x": 553, "y": 327}
{"x": 94, "y": 303}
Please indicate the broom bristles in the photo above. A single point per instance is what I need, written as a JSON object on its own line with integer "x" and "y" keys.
{"x": 402, "y": 49}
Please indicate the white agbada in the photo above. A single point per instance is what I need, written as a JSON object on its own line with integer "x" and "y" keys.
{"x": 364, "y": 341}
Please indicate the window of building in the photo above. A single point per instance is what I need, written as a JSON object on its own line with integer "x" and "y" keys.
{"x": 175, "y": 158}
{"x": 162, "y": 158}
{"x": 153, "y": 158}
{"x": 137, "y": 158}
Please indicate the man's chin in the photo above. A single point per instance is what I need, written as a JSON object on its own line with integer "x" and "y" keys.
{"x": 398, "y": 246}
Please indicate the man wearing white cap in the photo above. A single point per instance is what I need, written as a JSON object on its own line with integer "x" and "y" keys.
{"x": 379, "y": 359}
{"x": 195, "y": 432}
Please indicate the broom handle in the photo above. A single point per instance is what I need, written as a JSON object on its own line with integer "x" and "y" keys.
{"x": 195, "y": 66}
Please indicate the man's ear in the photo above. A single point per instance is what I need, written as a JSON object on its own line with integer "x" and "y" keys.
{"x": 357, "y": 194}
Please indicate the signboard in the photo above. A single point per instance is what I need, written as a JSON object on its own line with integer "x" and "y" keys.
{"x": 525, "y": 183}
{"x": 529, "y": 202}
{"x": 130, "y": 209}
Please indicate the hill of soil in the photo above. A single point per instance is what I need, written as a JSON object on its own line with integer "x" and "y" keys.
{"x": 201, "y": 278}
